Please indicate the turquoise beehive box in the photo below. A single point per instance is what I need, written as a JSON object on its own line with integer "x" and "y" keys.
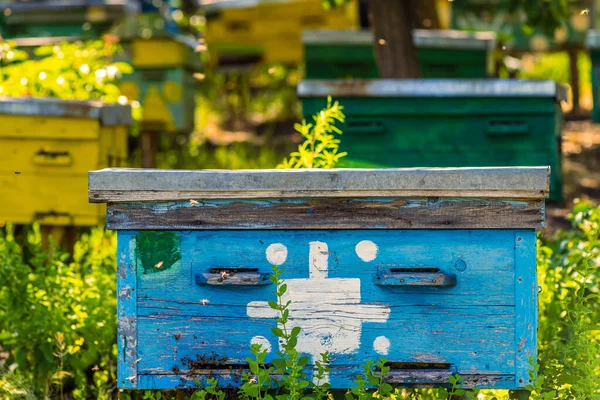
{"x": 431, "y": 269}
{"x": 345, "y": 54}
{"x": 446, "y": 122}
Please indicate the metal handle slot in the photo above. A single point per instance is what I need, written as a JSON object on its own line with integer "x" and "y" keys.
{"x": 241, "y": 26}
{"x": 233, "y": 277}
{"x": 312, "y": 20}
{"x": 418, "y": 373}
{"x": 507, "y": 127}
{"x": 373, "y": 127}
{"x": 53, "y": 217}
{"x": 415, "y": 277}
{"x": 442, "y": 70}
{"x": 52, "y": 158}
{"x": 154, "y": 74}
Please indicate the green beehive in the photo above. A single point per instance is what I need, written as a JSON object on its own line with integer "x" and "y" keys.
{"x": 69, "y": 18}
{"x": 163, "y": 80}
{"x": 593, "y": 43}
{"x": 446, "y": 122}
{"x": 341, "y": 54}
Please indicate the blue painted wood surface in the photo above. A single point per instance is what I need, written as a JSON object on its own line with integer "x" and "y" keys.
{"x": 526, "y": 292}
{"x": 484, "y": 327}
{"x": 126, "y": 312}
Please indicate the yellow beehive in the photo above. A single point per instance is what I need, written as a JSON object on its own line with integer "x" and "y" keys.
{"x": 47, "y": 147}
{"x": 272, "y": 29}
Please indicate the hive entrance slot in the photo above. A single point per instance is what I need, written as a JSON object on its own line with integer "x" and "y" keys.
{"x": 414, "y": 270}
{"x": 417, "y": 365}
{"x": 222, "y": 366}
{"x": 231, "y": 270}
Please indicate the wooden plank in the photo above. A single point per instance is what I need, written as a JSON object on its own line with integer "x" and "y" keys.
{"x": 127, "y": 357}
{"x": 475, "y": 339}
{"x": 122, "y": 196}
{"x": 122, "y": 185}
{"x": 342, "y": 213}
{"x": 473, "y": 255}
{"x": 526, "y": 291}
{"x": 231, "y": 378}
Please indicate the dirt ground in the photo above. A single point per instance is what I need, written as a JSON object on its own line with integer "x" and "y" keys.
{"x": 581, "y": 170}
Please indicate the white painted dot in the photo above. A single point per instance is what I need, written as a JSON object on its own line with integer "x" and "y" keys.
{"x": 367, "y": 250}
{"x": 277, "y": 253}
{"x": 381, "y": 345}
{"x": 263, "y": 341}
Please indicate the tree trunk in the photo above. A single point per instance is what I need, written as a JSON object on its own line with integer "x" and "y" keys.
{"x": 393, "y": 22}
{"x": 148, "y": 147}
{"x": 574, "y": 80}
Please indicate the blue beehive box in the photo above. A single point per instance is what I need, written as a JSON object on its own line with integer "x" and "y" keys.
{"x": 432, "y": 269}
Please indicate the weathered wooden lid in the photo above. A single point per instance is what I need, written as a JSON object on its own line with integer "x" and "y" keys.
{"x": 126, "y": 185}
{"x": 432, "y": 88}
{"x": 593, "y": 39}
{"x": 108, "y": 114}
{"x": 422, "y": 38}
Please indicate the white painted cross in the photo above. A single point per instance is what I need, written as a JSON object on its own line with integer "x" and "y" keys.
{"x": 327, "y": 309}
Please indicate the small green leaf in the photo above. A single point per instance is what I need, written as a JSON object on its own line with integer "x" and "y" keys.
{"x": 274, "y": 305}
{"x": 279, "y": 363}
{"x": 296, "y": 331}
{"x": 303, "y": 361}
{"x": 277, "y": 332}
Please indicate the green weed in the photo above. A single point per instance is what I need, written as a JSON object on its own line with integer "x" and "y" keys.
{"x": 320, "y": 148}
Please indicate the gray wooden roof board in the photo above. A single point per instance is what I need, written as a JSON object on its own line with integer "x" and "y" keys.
{"x": 108, "y": 114}
{"x": 592, "y": 40}
{"x": 432, "y": 88}
{"x": 531, "y": 181}
{"x": 38, "y": 7}
{"x": 44, "y": 41}
{"x": 453, "y": 39}
{"x": 218, "y": 5}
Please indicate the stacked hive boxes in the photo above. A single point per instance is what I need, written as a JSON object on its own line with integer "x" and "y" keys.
{"x": 47, "y": 146}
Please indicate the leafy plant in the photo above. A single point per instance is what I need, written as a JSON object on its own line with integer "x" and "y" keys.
{"x": 289, "y": 364}
{"x": 258, "y": 381}
{"x": 372, "y": 377}
{"x": 320, "y": 148}
{"x": 569, "y": 346}
{"x": 546, "y": 15}
{"x": 71, "y": 71}
{"x": 57, "y": 317}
